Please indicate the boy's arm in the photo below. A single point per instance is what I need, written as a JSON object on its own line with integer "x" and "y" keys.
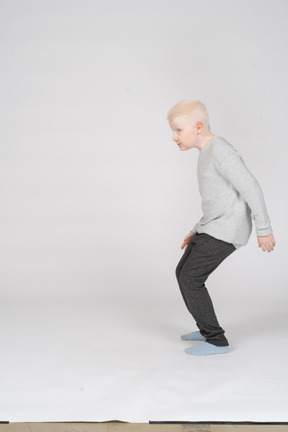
{"x": 194, "y": 229}
{"x": 229, "y": 162}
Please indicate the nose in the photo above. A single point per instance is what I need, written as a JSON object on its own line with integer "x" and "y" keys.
{"x": 175, "y": 137}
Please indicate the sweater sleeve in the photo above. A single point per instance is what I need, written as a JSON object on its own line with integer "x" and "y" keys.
{"x": 230, "y": 164}
{"x": 194, "y": 229}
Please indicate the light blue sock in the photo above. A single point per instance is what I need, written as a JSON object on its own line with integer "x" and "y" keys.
{"x": 194, "y": 336}
{"x": 207, "y": 349}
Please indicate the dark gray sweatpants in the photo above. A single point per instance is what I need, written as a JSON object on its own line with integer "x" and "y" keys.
{"x": 201, "y": 257}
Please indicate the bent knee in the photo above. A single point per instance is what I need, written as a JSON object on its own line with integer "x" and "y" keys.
{"x": 178, "y": 271}
{"x": 190, "y": 281}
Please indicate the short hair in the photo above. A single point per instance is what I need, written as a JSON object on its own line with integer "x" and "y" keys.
{"x": 194, "y": 109}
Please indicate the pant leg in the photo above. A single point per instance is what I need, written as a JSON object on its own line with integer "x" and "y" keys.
{"x": 179, "y": 268}
{"x": 202, "y": 256}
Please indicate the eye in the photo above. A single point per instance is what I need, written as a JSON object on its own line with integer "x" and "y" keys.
{"x": 179, "y": 130}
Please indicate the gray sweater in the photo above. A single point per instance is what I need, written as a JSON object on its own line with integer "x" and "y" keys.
{"x": 231, "y": 195}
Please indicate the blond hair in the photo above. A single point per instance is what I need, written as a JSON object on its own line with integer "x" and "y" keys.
{"x": 193, "y": 109}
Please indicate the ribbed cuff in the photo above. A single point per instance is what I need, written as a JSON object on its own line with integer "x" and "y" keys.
{"x": 194, "y": 229}
{"x": 264, "y": 231}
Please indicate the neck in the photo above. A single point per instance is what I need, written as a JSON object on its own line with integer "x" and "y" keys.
{"x": 204, "y": 139}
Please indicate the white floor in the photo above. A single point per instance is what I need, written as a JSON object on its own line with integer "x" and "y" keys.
{"x": 122, "y": 359}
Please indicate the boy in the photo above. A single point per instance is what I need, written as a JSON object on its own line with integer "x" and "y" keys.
{"x": 231, "y": 198}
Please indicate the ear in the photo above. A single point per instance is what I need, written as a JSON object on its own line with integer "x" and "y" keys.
{"x": 199, "y": 127}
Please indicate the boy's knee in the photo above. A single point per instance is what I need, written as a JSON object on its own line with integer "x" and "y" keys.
{"x": 177, "y": 272}
{"x": 189, "y": 282}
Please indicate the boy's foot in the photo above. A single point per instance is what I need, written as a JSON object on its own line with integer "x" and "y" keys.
{"x": 194, "y": 336}
{"x": 207, "y": 349}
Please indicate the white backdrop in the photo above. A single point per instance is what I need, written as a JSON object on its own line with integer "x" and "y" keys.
{"x": 95, "y": 196}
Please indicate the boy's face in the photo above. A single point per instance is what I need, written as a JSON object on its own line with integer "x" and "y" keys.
{"x": 184, "y": 132}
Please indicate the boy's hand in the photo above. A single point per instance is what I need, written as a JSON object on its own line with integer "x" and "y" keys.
{"x": 266, "y": 242}
{"x": 187, "y": 240}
